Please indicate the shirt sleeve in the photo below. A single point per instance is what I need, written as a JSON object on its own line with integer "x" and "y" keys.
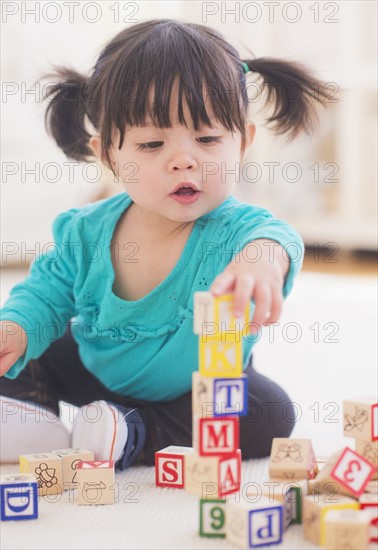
{"x": 249, "y": 223}
{"x": 44, "y": 302}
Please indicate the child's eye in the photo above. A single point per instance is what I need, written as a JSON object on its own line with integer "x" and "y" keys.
{"x": 212, "y": 139}
{"x": 152, "y": 145}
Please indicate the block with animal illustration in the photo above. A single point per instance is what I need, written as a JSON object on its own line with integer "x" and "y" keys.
{"x": 169, "y": 466}
{"x": 95, "y": 482}
{"x": 220, "y": 357}
{"x": 215, "y": 436}
{"x": 289, "y": 493}
{"x": 254, "y": 524}
{"x": 369, "y": 450}
{"x": 314, "y": 510}
{"x": 212, "y": 477}
{"x": 346, "y": 530}
{"x": 213, "y": 518}
{"x": 71, "y": 458}
{"x": 18, "y": 497}
{"x": 369, "y": 503}
{"x": 219, "y": 396}
{"x": 360, "y": 418}
{"x": 292, "y": 459}
{"x": 47, "y": 469}
{"x": 213, "y": 315}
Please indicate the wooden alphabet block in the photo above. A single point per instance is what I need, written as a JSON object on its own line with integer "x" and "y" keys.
{"x": 292, "y": 459}
{"x": 369, "y": 503}
{"x": 212, "y": 518}
{"x": 219, "y": 396}
{"x": 217, "y": 436}
{"x": 214, "y": 314}
{"x": 212, "y": 477}
{"x": 352, "y": 471}
{"x": 95, "y": 481}
{"x": 361, "y": 419}
{"x": 315, "y": 508}
{"x": 70, "y": 460}
{"x": 220, "y": 358}
{"x": 290, "y": 494}
{"x": 252, "y": 525}
{"x": 169, "y": 466}
{"x": 346, "y": 530}
{"x": 369, "y": 450}
{"x": 47, "y": 468}
{"x": 18, "y": 497}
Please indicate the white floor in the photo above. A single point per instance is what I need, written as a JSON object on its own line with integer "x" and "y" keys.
{"x": 322, "y": 351}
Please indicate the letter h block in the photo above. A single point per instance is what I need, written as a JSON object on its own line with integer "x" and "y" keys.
{"x": 18, "y": 497}
{"x": 252, "y": 525}
{"x": 170, "y": 466}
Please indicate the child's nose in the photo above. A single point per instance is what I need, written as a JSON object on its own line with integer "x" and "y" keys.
{"x": 182, "y": 161}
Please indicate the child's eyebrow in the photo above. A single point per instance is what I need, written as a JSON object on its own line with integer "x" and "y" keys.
{"x": 149, "y": 123}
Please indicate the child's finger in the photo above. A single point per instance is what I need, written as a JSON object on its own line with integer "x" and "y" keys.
{"x": 222, "y": 283}
{"x": 276, "y": 306}
{"x": 242, "y": 294}
{"x": 263, "y": 299}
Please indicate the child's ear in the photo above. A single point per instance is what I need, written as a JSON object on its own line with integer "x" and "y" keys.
{"x": 250, "y": 131}
{"x": 95, "y": 144}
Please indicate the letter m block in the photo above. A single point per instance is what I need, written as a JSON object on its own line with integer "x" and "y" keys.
{"x": 218, "y": 437}
{"x": 170, "y": 466}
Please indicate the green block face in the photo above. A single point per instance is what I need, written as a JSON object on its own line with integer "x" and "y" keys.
{"x": 212, "y": 518}
{"x": 296, "y": 504}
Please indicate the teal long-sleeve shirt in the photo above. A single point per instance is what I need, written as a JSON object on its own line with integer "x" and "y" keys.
{"x": 146, "y": 348}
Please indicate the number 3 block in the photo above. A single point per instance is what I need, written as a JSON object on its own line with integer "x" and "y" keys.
{"x": 353, "y": 471}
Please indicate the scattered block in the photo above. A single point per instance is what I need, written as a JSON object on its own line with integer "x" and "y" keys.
{"x": 361, "y": 419}
{"x": 372, "y": 487}
{"x": 95, "y": 482}
{"x": 169, "y": 466}
{"x": 346, "y": 529}
{"x": 289, "y": 493}
{"x": 212, "y": 518}
{"x": 252, "y": 525}
{"x": 216, "y": 436}
{"x": 47, "y": 468}
{"x": 214, "y": 314}
{"x": 292, "y": 459}
{"x": 71, "y": 458}
{"x": 369, "y": 503}
{"x": 314, "y": 512}
{"x": 219, "y": 396}
{"x": 18, "y": 497}
{"x": 369, "y": 450}
{"x": 212, "y": 477}
{"x": 352, "y": 471}
{"x": 220, "y": 358}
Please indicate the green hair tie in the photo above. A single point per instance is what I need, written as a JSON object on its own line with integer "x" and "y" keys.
{"x": 246, "y": 68}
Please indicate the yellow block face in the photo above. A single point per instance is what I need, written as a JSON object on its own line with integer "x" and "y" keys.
{"x": 351, "y": 506}
{"x": 214, "y": 315}
{"x": 220, "y": 358}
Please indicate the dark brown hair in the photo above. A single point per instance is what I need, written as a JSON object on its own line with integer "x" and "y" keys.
{"x": 157, "y": 52}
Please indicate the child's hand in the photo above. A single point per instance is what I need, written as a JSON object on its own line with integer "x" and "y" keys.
{"x": 13, "y": 342}
{"x": 261, "y": 280}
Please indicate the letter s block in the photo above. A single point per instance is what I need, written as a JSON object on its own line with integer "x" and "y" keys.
{"x": 18, "y": 497}
{"x": 170, "y": 466}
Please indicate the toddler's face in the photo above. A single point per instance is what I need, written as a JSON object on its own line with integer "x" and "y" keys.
{"x": 154, "y": 161}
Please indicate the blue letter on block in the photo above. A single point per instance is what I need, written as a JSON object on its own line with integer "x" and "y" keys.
{"x": 18, "y": 497}
{"x": 265, "y": 526}
{"x": 230, "y": 396}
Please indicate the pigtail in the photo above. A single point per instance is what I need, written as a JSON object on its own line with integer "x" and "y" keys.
{"x": 65, "y": 114}
{"x": 295, "y": 93}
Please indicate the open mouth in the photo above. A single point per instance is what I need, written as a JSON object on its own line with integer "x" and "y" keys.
{"x": 185, "y": 191}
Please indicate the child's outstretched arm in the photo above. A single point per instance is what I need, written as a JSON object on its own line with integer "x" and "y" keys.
{"x": 39, "y": 308}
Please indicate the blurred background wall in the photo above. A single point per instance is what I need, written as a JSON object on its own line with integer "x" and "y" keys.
{"x": 325, "y": 185}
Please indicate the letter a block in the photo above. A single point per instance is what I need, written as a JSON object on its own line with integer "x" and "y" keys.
{"x": 353, "y": 471}
{"x": 18, "y": 497}
{"x": 47, "y": 468}
{"x": 95, "y": 482}
{"x": 169, "y": 466}
{"x": 212, "y": 518}
{"x": 219, "y": 396}
{"x": 71, "y": 458}
{"x": 212, "y": 476}
{"x": 254, "y": 525}
{"x": 218, "y": 437}
{"x": 215, "y": 314}
{"x": 361, "y": 419}
{"x": 292, "y": 459}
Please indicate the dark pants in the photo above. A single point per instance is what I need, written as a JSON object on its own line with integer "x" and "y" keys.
{"x": 58, "y": 374}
